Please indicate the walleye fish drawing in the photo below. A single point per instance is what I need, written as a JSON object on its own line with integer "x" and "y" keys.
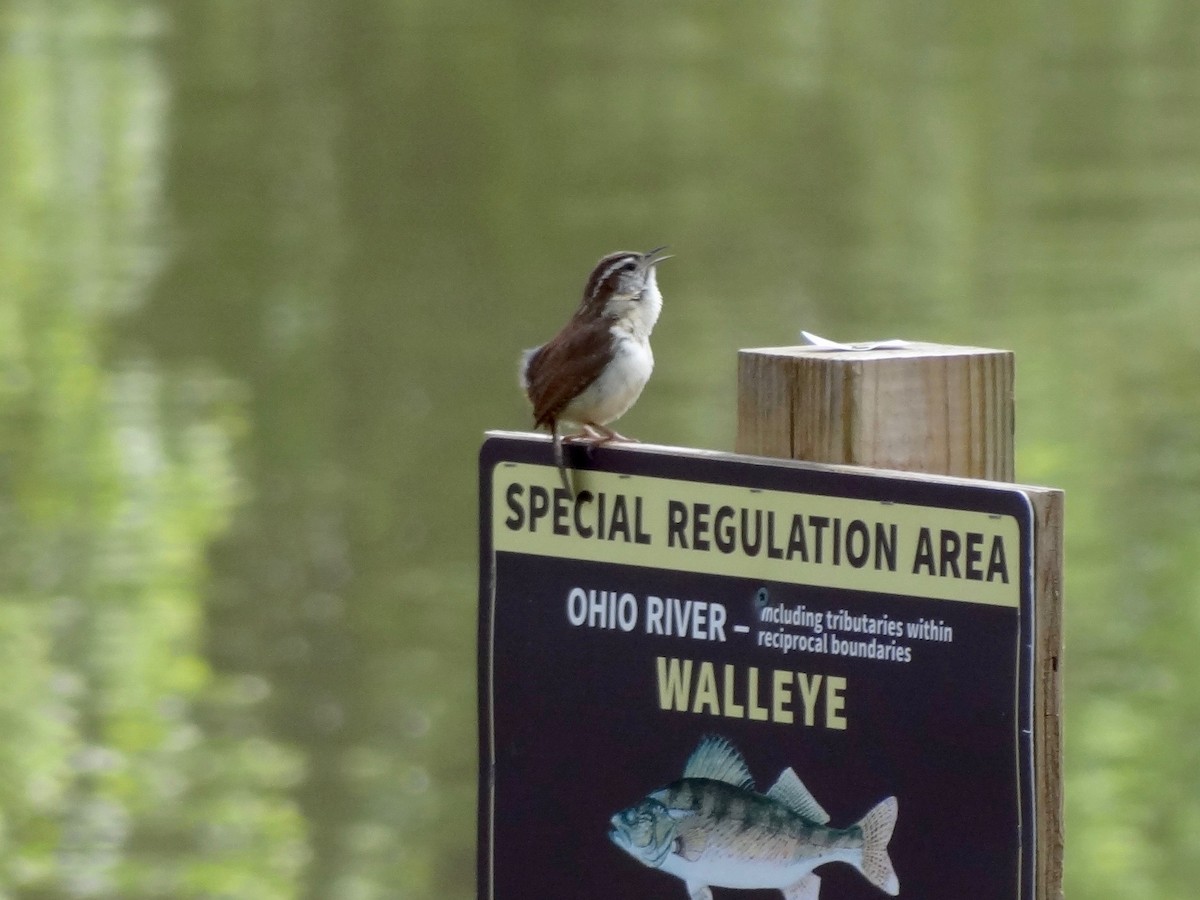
{"x": 711, "y": 829}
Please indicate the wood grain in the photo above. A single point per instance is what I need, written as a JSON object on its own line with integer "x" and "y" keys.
{"x": 927, "y": 408}
{"x": 938, "y": 410}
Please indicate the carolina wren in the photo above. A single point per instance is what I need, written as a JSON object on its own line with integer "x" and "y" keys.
{"x": 594, "y": 369}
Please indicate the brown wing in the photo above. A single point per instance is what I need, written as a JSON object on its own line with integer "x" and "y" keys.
{"x": 563, "y": 367}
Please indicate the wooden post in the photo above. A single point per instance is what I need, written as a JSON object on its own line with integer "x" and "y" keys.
{"x": 938, "y": 410}
{"x": 924, "y": 408}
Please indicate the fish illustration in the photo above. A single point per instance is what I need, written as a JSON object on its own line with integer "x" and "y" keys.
{"x": 712, "y": 829}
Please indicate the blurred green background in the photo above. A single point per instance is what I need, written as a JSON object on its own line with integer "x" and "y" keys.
{"x": 265, "y": 268}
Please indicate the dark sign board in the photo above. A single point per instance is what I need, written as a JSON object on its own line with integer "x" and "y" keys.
{"x": 711, "y": 676}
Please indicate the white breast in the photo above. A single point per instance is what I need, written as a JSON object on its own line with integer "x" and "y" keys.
{"x": 618, "y": 386}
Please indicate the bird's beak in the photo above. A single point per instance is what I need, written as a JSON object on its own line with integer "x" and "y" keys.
{"x": 654, "y": 257}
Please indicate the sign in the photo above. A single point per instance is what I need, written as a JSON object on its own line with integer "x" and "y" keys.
{"x": 708, "y": 676}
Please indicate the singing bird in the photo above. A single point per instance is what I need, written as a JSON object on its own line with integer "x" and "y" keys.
{"x": 594, "y": 369}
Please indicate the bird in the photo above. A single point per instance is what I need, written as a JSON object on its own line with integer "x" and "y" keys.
{"x": 594, "y": 369}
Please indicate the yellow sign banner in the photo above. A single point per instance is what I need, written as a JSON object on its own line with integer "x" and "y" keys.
{"x": 797, "y": 538}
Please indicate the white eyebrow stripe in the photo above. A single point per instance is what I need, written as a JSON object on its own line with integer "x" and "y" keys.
{"x": 612, "y": 267}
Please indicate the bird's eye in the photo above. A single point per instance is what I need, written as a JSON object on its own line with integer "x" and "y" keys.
{"x": 629, "y": 267}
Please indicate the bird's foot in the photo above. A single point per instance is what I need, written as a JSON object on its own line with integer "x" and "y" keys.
{"x": 593, "y": 436}
{"x": 601, "y": 434}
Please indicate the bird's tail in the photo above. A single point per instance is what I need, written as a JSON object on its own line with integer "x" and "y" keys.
{"x": 560, "y": 460}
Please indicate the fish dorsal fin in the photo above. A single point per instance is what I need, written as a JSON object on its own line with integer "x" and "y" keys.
{"x": 789, "y": 790}
{"x": 717, "y": 759}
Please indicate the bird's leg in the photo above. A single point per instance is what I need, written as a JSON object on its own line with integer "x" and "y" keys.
{"x": 594, "y": 435}
{"x": 604, "y": 434}
{"x": 559, "y": 460}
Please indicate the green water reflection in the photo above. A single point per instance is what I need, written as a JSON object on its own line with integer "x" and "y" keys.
{"x": 264, "y": 271}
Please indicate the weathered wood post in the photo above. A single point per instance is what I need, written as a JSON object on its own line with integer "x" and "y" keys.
{"x": 938, "y": 410}
{"x": 925, "y": 408}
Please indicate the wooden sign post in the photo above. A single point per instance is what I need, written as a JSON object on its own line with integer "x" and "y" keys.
{"x": 924, "y": 408}
{"x": 709, "y": 675}
{"x": 937, "y": 410}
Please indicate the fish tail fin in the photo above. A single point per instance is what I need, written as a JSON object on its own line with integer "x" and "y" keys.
{"x": 877, "y": 828}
